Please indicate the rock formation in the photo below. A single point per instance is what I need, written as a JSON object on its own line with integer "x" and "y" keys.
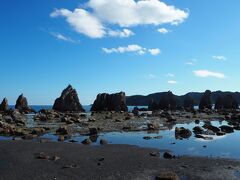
{"x": 153, "y": 106}
{"x": 188, "y": 103}
{"x": 68, "y": 101}
{"x": 205, "y": 102}
{"x": 226, "y": 102}
{"x": 110, "y": 102}
{"x": 168, "y": 102}
{"x": 4, "y": 105}
{"x": 22, "y": 104}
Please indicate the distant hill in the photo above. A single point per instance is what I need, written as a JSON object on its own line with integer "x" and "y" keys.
{"x": 139, "y": 100}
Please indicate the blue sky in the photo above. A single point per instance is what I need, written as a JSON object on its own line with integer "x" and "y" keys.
{"x": 150, "y": 46}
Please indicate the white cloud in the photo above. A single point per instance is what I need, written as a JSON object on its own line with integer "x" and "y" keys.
{"x": 172, "y": 82}
{"x": 96, "y": 15}
{"x": 163, "y": 30}
{"x": 219, "y": 58}
{"x": 126, "y": 13}
{"x": 206, "y": 73}
{"x": 131, "y": 48}
{"x": 62, "y": 37}
{"x": 122, "y": 34}
{"x": 155, "y": 51}
{"x": 170, "y": 75}
{"x": 82, "y": 22}
{"x": 151, "y": 76}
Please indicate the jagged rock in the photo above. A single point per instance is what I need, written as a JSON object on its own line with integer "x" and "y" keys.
{"x": 153, "y": 106}
{"x": 227, "y": 129}
{"x": 205, "y": 102}
{"x": 211, "y": 127}
{"x": 22, "y": 104}
{"x": 153, "y": 126}
{"x": 198, "y": 130}
{"x": 68, "y": 101}
{"x": 168, "y": 102}
{"x": 182, "y": 133}
{"x": 62, "y": 131}
{"x": 226, "y": 102}
{"x": 188, "y": 103}
{"x": 93, "y": 131}
{"x": 135, "y": 111}
{"x": 110, "y": 102}
{"x": 4, "y": 105}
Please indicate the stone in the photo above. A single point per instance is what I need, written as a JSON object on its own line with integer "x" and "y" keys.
{"x": 68, "y": 101}
{"x": 62, "y": 131}
{"x": 227, "y": 129}
{"x": 135, "y": 111}
{"x": 93, "y": 131}
{"x": 168, "y": 101}
{"x": 198, "y": 130}
{"x": 86, "y": 141}
{"x": 205, "y": 102}
{"x": 188, "y": 103}
{"x": 153, "y": 126}
{"x": 110, "y": 102}
{"x": 61, "y": 138}
{"x": 4, "y": 105}
{"x": 22, "y": 104}
{"x": 167, "y": 176}
{"x": 182, "y": 133}
{"x": 42, "y": 155}
{"x": 103, "y": 142}
{"x": 168, "y": 155}
{"x": 154, "y": 154}
{"x": 220, "y": 133}
{"x": 211, "y": 127}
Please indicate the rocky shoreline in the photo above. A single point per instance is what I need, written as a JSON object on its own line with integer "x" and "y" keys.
{"x": 62, "y": 161}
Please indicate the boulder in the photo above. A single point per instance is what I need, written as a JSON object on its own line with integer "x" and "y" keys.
{"x": 135, "y": 111}
{"x": 182, "y": 133}
{"x": 93, "y": 131}
{"x": 153, "y": 106}
{"x": 103, "y": 142}
{"x": 198, "y": 130}
{"x": 188, "y": 103}
{"x": 153, "y": 126}
{"x": 168, "y": 102}
{"x": 110, "y": 102}
{"x": 227, "y": 129}
{"x": 211, "y": 127}
{"x": 168, "y": 155}
{"x": 205, "y": 102}
{"x": 4, "y": 105}
{"x": 86, "y": 141}
{"x": 62, "y": 131}
{"x": 68, "y": 101}
{"x": 22, "y": 104}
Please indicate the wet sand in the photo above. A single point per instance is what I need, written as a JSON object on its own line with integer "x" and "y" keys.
{"x": 18, "y": 161}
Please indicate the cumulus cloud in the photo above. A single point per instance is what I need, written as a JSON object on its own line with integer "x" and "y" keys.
{"x": 134, "y": 48}
{"x": 163, "y": 30}
{"x": 82, "y": 21}
{"x": 122, "y": 34}
{"x": 155, "y": 51}
{"x": 206, "y": 73}
{"x": 172, "y": 82}
{"x": 219, "y": 58}
{"x": 62, "y": 37}
{"x": 93, "y": 19}
{"x": 170, "y": 75}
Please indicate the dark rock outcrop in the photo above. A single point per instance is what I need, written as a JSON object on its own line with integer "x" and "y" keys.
{"x": 182, "y": 133}
{"x": 205, "y": 102}
{"x": 188, "y": 103}
{"x": 110, "y": 102}
{"x": 168, "y": 102}
{"x": 153, "y": 106}
{"x": 68, "y": 101}
{"x": 22, "y": 104}
{"x": 226, "y": 102}
{"x": 4, "y": 105}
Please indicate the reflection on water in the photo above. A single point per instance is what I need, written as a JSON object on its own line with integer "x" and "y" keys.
{"x": 219, "y": 146}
